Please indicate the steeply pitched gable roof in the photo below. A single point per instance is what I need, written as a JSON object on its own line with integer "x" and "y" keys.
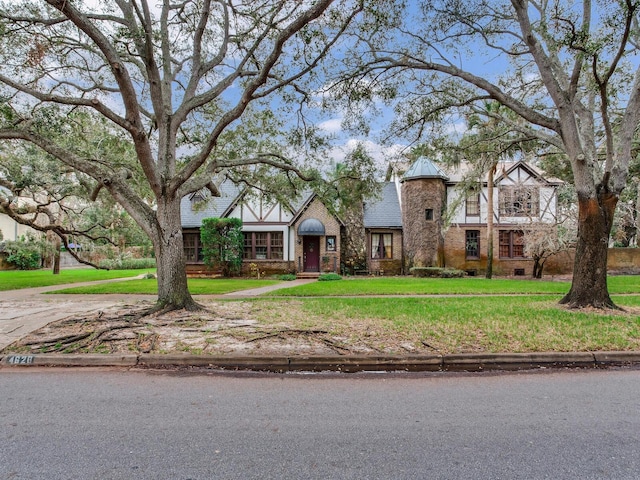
{"x": 385, "y": 211}
{"x": 230, "y": 195}
{"x": 214, "y": 207}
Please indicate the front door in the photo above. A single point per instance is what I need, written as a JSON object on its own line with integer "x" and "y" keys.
{"x": 311, "y": 247}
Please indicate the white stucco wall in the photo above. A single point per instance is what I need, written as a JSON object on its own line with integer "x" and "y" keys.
{"x": 12, "y": 230}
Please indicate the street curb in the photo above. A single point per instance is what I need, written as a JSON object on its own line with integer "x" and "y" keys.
{"x": 71, "y": 360}
{"x": 473, "y": 362}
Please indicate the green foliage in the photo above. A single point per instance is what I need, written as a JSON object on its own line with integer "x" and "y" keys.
{"x": 452, "y": 273}
{"x": 425, "y": 271}
{"x": 327, "y": 277}
{"x": 287, "y": 277}
{"x": 222, "y": 244}
{"x": 24, "y": 254}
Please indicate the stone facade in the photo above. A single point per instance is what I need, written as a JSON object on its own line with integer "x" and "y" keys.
{"x": 423, "y": 204}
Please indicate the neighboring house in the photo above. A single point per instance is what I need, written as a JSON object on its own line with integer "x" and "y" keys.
{"x": 302, "y": 237}
{"x": 12, "y": 230}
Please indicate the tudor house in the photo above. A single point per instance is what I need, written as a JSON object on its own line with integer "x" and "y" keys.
{"x": 405, "y": 226}
{"x": 301, "y": 237}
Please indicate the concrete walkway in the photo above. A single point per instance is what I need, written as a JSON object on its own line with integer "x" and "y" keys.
{"x": 28, "y": 309}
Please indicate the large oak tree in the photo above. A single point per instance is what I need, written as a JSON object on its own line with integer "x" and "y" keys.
{"x": 175, "y": 76}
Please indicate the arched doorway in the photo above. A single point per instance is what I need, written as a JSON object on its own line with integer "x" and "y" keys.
{"x": 310, "y": 230}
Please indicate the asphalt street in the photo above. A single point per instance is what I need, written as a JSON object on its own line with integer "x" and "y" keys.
{"x": 119, "y": 424}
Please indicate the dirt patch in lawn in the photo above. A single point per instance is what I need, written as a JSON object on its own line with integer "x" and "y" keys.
{"x": 223, "y": 328}
{"x": 290, "y": 327}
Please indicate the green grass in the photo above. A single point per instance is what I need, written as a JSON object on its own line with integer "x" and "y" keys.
{"x": 16, "y": 279}
{"x": 439, "y": 286}
{"x": 197, "y": 286}
{"x": 469, "y": 324}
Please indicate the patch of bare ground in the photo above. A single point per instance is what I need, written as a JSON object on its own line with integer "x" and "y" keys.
{"x": 223, "y": 328}
{"x": 288, "y": 328}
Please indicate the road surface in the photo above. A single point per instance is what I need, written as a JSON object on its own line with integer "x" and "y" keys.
{"x": 110, "y": 424}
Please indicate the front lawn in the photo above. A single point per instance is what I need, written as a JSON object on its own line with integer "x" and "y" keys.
{"x": 197, "y": 286}
{"x": 461, "y": 324}
{"x": 16, "y": 279}
{"x": 443, "y": 286}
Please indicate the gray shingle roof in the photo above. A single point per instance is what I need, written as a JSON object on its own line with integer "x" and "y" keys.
{"x": 384, "y": 212}
{"x": 214, "y": 207}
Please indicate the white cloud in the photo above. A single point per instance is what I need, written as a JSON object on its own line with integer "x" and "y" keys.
{"x": 381, "y": 154}
{"x": 333, "y": 125}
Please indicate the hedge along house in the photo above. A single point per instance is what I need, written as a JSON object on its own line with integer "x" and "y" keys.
{"x": 301, "y": 237}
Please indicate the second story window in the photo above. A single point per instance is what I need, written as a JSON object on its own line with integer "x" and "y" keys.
{"x": 472, "y": 205}
{"x": 197, "y": 201}
{"x": 519, "y": 201}
{"x": 428, "y": 214}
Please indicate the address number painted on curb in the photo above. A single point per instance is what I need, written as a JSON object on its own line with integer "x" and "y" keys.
{"x": 21, "y": 359}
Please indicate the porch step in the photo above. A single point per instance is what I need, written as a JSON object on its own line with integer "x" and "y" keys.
{"x": 307, "y": 274}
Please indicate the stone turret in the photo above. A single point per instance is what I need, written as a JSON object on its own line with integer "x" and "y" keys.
{"x": 423, "y": 196}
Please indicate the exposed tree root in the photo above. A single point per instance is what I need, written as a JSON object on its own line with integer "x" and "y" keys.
{"x": 335, "y": 346}
{"x": 287, "y": 332}
{"x": 161, "y": 308}
{"x": 570, "y": 302}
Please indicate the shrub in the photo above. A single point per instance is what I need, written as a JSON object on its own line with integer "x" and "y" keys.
{"x": 426, "y": 271}
{"x": 287, "y": 277}
{"x": 222, "y": 244}
{"x": 24, "y": 255}
{"x": 436, "y": 272}
{"x": 452, "y": 273}
{"x": 325, "y": 277}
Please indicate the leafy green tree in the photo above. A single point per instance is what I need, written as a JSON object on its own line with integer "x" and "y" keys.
{"x": 222, "y": 244}
{"x": 174, "y": 79}
{"x": 44, "y": 194}
{"x": 353, "y": 182}
{"x": 25, "y": 253}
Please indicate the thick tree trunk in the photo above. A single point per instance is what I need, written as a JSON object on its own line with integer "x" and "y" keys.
{"x": 589, "y": 285}
{"x": 173, "y": 292}
{"x": 637, "y": 215}
{"x": 55, "y": 255}
{"x": 538, "y": 266}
